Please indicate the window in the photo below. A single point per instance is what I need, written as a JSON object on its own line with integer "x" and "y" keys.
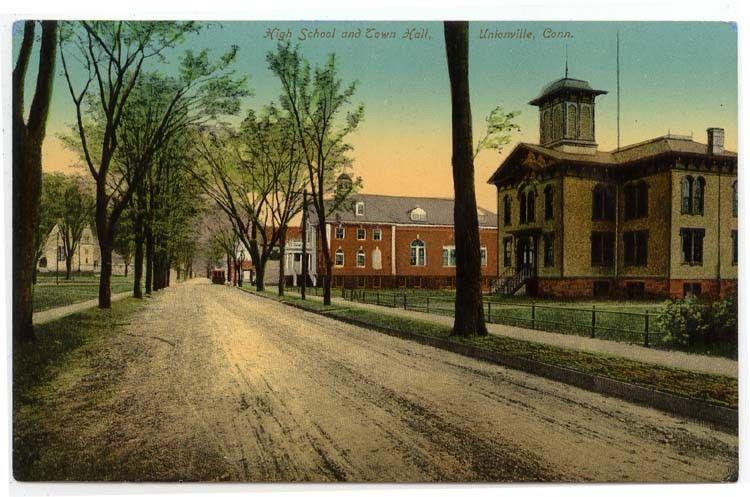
{"x": 507, "y": 251}
{"x": 699, "y": 190}
{"x": 418, "y": 214}
{"x": 360, "y": 258}
{"x": 557, "y": 123}
{"x": 603, "y": 203}
{"x": 636, "y": 200}
{"x": 687, "y": 195}
{"x": 361, "y": 234}
{"x": 377, "y": 259}
{"x": 735, "y": 246}
{"x": 339, "y": 258}
{"x": 530, "y": 206}
{"x": 602, "y": 248}
{"x": 360, "y": 209}
{"x": 636, "y": 248}
{"x": 522, "y": 207}
{"x": 418, "y": 253}
{"x": 340, "y": 232}
{"x": 601, "y": 288}
{"x": 549, "y": 249}
{"x": 572, "y": 118}
{"x": 691, "y": 289}
{"x": 449, "y": 256}
{"x": 377, "y": 234}
{"x": 60, "y": 254}
{"x": 549, "y": 195}
{"x": 586, "y": 130}
{"x": 546, "y": 123}
{"x": 692, "y": 245}
{"x": 635, "y": 289}
{"x": 506, "y": 210}
{"x": 43, "y": 262}
{"x": 734, "y": 199}
{"x": 483, "y": 255}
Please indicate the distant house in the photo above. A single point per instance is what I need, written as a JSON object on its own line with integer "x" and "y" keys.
{"x": 85, "y": 259}
{"x": 657, "y": 217}
{"x": 382, "y": 241}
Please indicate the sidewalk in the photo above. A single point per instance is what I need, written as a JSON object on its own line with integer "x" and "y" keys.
{"x": 669, "y": 358}
{"x": 60, "y": 312}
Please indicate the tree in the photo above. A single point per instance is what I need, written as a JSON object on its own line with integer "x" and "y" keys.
{"x": 74, "y": 214}
{"x": 52, "y": 191}
{"x": 317, "y": 101}
{"x": 469, "y": 314}
{"x": 113, "y": 56}
{"x": 124, "y": 239}
{"x": 28, "y": 135}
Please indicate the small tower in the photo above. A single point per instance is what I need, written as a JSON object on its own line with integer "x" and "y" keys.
{"x": 566, "y": 116}
{"x": 343, "y": 184}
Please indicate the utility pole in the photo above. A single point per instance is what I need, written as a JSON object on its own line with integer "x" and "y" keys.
{"x": 303, "y": 288}
{"x": 618, "y": 89}
{"x": 57, "y": 258}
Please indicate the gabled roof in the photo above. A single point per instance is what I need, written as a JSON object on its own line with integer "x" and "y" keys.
{"x": 386, "y": 209}
{"x": 564, "y": 84}
{"x": 620, "y": 158}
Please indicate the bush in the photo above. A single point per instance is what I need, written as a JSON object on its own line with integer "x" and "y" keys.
{"x": 690, "y": 323}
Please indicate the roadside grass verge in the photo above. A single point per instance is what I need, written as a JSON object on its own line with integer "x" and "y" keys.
{"x": 64, "y": 349}
{"x": 714, "y": 389}
{"x": 49, "y": 296}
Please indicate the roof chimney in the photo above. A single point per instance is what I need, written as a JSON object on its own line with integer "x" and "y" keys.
{"x": 715, "y": 140}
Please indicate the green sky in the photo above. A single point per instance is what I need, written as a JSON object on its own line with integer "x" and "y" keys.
{"x": 677, "y": 77}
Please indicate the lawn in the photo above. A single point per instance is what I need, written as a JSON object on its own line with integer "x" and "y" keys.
{"x": 716, "y": 389}
{"x": 48, "y": 295}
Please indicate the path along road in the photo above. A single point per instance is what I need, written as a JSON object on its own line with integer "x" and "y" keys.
{"x": 221, "y": 384}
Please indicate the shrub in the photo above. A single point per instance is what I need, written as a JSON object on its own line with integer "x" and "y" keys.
{"x": 689, "y": 323}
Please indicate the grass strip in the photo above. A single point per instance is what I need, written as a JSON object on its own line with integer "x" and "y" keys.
{"x": 714, "y": 389}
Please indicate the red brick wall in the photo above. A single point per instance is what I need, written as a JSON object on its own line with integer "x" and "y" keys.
{"x": 584, "y": 287}
{"x": 435, "y": 239}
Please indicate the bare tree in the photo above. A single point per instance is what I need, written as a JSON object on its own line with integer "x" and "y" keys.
{"x": 469, "y": 314}
{"x": 28, "y": 135}
{"x": 317, "y": 101}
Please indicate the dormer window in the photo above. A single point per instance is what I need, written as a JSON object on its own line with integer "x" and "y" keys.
{"x": 360, "y": 208}
{"x": 418, "y": 214}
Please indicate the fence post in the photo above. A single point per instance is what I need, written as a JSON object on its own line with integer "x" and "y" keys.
{"x": 645, "y": 330}
{"x": 394, "y": 300}
{"x": 533, "y": 315}
{"x": 377, "y": 297}
{"x": 593, "y": 321}
{"x": 489, "y": 311}
{"x": 428, "y": 305}
{"x": 404, "y": 300}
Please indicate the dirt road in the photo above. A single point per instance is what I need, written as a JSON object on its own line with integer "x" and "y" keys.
{"x": 218, "y": 384}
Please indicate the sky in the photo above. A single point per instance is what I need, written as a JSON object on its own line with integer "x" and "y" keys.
{"x": 678, "y": 77}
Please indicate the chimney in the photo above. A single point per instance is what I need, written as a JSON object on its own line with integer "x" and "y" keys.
{"x": 715, "y": 140}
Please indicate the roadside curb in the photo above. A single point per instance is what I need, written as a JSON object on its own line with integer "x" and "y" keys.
{"x": 720, "y": 416}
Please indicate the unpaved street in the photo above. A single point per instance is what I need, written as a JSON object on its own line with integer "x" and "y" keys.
{"x": 224, "y": 385}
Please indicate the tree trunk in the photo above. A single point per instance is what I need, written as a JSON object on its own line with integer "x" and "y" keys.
{"x": 469, "y": 315}
{"x": 149, "y": 261}
{"x": 260, "y": 275}
{"x": 126, "y": 268}
{"x": 68, "y": 265}
{"x": 138, "y": 267}
{"x": 327, "y": 283}
{"x": 282, "y": 263}
{"x": 105, "y": 277}
{"x": 28, "y": 137}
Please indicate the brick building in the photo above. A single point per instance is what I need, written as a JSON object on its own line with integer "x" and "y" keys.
{"x": 657, "y": 217}
{"x": 389, "y": 242}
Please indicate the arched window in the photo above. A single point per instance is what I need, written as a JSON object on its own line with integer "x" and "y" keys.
{"x": 418, "y": 255}
{"x": 43, "y": 262}
{"x": 531, "y": 206}
{"x": 734, "y": 199}
{"x": 699, "y": 188}
{"x": 557, "y": 123}
{"x": 586, "y": 132}
{"x": 602, "y": 203}
{"x": 549, "y": 196}
{"x": 522, "y": 207}
{"x": 506, "y": 210}
{"x": 360, "y": 257}
{"x": 687, "y": 195}
{"x": 377, "y": 259}
{"x": 572, "y": 121}
{"x": 339, "y": 258}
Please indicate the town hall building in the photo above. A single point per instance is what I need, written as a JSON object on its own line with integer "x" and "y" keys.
{"x": 657, "y": 217}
